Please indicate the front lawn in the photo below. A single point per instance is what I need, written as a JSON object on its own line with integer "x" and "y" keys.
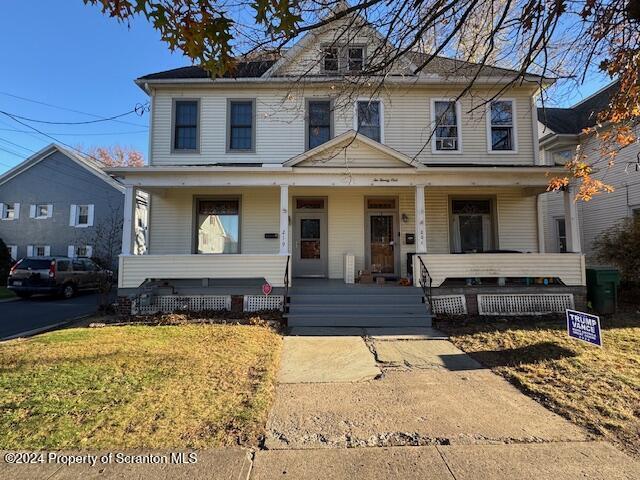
{"x": 596, "y": 388}
{"x": 6, "y": 293}
{"x": 137, "y": 386}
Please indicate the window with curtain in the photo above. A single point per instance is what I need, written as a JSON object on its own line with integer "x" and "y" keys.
{"x": 241, "y": 125}
{"x": 472, "y": 225}
{"x": 369, "y": 118}
{"x": 502, "y": 125}
{"x": 218, "y": 225}
{"x": 185, "y": 135}
{"x": 319, "y": 122}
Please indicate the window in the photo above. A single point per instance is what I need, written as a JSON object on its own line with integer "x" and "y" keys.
{"x": 355, "y": 59}
{"x": 41, "y": 210}
{"x": 81, "y": 251}
{"x": 368, "y": 117}
{"x": 340, "y": 58}
{"x": 309, "y": 203}
{"x": 10, "y": 211}
{"x": 472, "y": 225}
{"x": 561, "y": 235}
{"x": 381, "y": 203}
{"x": 319, "y": 122}
{"x": 502, "y": 126}
{"x": 561, "y": 157}
{"x": 218, "y": 225}
{"x": 13, "y": 252}
{"x": 81, "y": 216}
{"x": 40, "y": 251}
{"x": 330, "y": 59}
{"x": 447, "y": 126}
{"x": 185, "y": 125}
{"x": 241, "y": 125}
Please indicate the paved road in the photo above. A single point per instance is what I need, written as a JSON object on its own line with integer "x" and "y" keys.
{"x": 42, "y": 311}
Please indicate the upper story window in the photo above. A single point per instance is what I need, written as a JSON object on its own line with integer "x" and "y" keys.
{"x": 81, "y": 215}
{"x": 343, "y": 58}
{"x": 319, "y": 122}
{"x": 446, "y": 118}
{"x": 561, "y": 157}
{"x": 9, "y": 211}
{"x": 185, "y": 130}
{"x": 502, "y": 126}
{"x": 369, "y": 119}
{"x": 241, "y": 126}
{"x": 41, "y": 210}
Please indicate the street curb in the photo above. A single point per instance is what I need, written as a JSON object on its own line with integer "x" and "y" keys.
{"x": 48, "y": 328}
{"x": 7, "y": 300}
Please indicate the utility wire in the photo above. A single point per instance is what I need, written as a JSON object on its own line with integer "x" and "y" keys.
{"x": 133, "y": 132}
{"x": 65, "y": 108}
{"x": 139, "y": 109}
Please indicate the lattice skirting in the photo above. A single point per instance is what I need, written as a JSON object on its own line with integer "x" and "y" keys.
{"x": 176, "y": 303}
{"x": 524, "y": 304}
{"x": 257, "y": 303}
{"x": 449, "y": 304}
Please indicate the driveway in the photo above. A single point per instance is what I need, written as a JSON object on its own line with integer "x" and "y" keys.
{"x": 40, "y": 312}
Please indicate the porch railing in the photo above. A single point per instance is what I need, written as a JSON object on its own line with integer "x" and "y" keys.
{"x": 425, "y": 283}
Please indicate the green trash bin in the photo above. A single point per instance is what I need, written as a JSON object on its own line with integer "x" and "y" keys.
{"x": 602, "y": 289}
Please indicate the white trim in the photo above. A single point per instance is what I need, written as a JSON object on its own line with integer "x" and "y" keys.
{"x": 435, "y": 151}
{"x": 76, "y": 219}
{"x": 91, "y": 214}
{"x": 71, "y": 251}
{"x": 13, "y": 251}
{"x": 537, "y": 158}
{"x": 29, "y": 250}
{"x": 72, "y": 215}
{"x": 89, "y": 251}
{"x": 381, "y": 113}
{"x": 514, "y": 128}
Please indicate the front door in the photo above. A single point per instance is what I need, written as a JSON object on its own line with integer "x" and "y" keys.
{"x": 310, "y": 244}
{"x": 382, "y": 243}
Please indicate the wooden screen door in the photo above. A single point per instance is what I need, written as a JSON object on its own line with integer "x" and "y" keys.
{"x": 382, "y": 243}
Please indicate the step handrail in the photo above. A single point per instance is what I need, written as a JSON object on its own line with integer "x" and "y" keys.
{"x": 286, "y": 285}
{"x": 425, "y": 283}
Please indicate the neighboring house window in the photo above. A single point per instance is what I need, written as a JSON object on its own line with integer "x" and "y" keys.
{"x": 10, "y": 211}
{"x": 446, "y": 119}
{"x": 319, "y": 122}
{"x": 241, "y": 125}
{"x": 81, "y": 215}
{"x": 355, "y": 59}
{"x": 369, "y": 119}
{"x": 561, "y": 235}
{"x": 41, "y": 210}
{"x": 218, "y": 225}
{"x": 472, "y": 225}
{"x": 330, "y": 59}
{"x": 38, "y": 250}
{"x": 185, "y": 134}
{"x": 561, "y": 157}
{"x": 13, "y": 252}
{"x": 502, "y": 126}
{"x": 80, "y": 251}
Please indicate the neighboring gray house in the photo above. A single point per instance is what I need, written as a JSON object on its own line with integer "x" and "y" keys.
{"x": 58, "y": 202}
{"x": 560, "y": 133}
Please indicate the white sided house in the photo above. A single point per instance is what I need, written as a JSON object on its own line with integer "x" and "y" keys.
{"x": 280, "y": 174}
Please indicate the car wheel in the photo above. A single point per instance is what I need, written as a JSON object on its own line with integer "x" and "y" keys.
{"x": 68, "y": 290}
{"x": 23, "y": 294}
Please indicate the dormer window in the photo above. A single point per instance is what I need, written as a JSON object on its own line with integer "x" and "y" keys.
{"x": 342, "y": 58}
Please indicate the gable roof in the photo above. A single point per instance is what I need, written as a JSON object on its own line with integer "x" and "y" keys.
{"x": 241, "y": 69}
{"x": 582, "y": 115}
{"x": 85, "y": 162}
{"x": 347, "y": 138}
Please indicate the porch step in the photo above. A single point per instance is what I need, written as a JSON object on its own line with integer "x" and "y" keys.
{"x": 339, "y": 305}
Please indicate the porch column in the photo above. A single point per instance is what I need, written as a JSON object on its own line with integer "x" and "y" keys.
{"x": 421, "y": 228}
{"x": 129, "y": 216}
{"x": 571, "y": 223}
{"x": 284, "y": 219}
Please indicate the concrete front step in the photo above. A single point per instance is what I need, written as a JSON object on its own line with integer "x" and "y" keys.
{"x": 354, "y": 299}
{"x": 354, "y": 290}
{"x": 358, "y": 309}
{"x": 359, "y": 320}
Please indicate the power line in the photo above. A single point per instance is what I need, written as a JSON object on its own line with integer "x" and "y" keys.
{"x": 133, "y": 132}
{"x": 16, "y": 145}
{"x": 67, "y": 109}
{"x": 139, "y": 110}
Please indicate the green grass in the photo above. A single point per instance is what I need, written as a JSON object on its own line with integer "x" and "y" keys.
{"x": 6, "y": 293}
{"x": 597, "y": 388}
{"x": 137, "y": 387}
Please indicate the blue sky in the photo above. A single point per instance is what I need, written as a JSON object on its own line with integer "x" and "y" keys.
{"x": 70, "y": 55}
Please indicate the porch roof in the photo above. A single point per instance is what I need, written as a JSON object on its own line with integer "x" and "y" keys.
{"x": 427, "y": 175}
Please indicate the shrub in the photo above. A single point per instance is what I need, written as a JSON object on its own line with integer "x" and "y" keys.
{"x": 5, "y": 263}
{"x": 619, "y": 247}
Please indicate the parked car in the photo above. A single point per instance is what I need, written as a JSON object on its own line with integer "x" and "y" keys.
{"x": 56, "y": 275}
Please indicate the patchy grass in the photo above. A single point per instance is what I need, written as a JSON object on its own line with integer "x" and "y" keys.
{"x": 595, "y": 388}
{"x": 6, "y": 293}
{"x": 134, "y": 387}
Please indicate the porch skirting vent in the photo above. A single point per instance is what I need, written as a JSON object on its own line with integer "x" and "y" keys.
{"x": 449, "y": 304}
{"x": 524, "y": 304}
{"x": 176, "y": 303}
{"x": 257, "y": 303}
